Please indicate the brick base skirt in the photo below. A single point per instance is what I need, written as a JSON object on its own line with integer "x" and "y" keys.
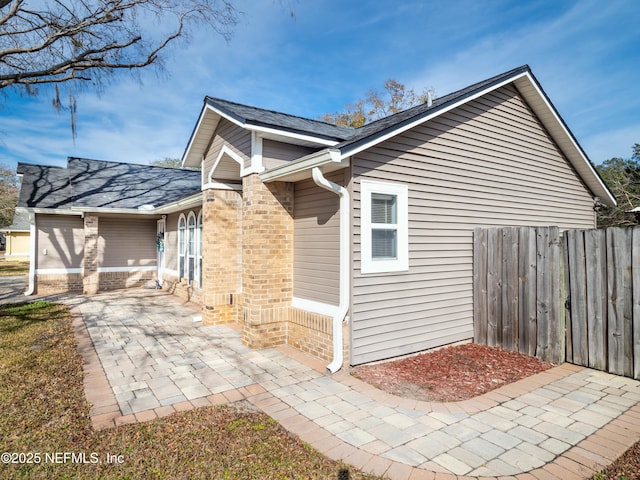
{"x": 47, "y": 284}
{"x": 182, "y": 290}
{"x": 308, "y": 332}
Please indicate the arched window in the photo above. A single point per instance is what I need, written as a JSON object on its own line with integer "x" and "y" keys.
{"x": 199, "y": 249}
{"x": 191, "y": 247}
{"x": 182, "y": 230}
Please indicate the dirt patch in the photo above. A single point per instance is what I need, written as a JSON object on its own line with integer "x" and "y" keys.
{"x": 450, "y": 374}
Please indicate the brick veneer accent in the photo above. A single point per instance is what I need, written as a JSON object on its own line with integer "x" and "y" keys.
{"x": 47, "y": 284}
{"x": 182, "y": 290}
{"x": 118, "y": 280}
{"x": 221, "y": 256}
{"x": 312, "y": 333}
{"x": 267, "y": 258}
{"x": 91, "y": 279}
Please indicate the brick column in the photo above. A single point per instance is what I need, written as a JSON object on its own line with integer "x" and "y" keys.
{"x": 221, "y": 256}
{"x": 267, "y": 260}
{"x": 90, "y": 277}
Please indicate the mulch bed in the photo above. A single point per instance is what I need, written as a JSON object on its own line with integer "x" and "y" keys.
{"x": 450, "y": 374}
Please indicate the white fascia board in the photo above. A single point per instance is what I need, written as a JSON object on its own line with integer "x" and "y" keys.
{"x": 194, "y": 137}
{"x": 55, "y": 211}
{"x": 191, "y": 201}
{"x": 274, "y": 131}
{"x": 288, "y": 134}
{"x": 576, "y": 154}
{"x": 317, "y": 159}
{"x": 401, "y": 129}
{"x": 221, "y": 186}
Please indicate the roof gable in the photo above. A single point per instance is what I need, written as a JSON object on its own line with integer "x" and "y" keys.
{"x": 372, "y": 134}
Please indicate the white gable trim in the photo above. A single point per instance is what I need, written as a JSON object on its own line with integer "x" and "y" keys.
{"x": 225, "y": 150}
{"x": 547, "y": 114}
{"x": 401, "y": 129}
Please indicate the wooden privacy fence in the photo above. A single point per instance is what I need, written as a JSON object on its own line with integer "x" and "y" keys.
{"x": 573, "y": 297}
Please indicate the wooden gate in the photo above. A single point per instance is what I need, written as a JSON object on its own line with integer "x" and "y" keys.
{"x": 573, "y": 297}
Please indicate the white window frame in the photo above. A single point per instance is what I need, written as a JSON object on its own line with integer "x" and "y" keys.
{"x": 367, "y": 263}
{"x": 191, "y": 246}
{"x": 182, "y": 239}
{"x": 199, "y": 240}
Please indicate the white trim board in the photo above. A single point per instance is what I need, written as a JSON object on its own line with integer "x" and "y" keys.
{"x": 314, "y": 306}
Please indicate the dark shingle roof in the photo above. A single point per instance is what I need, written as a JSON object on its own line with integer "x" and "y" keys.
{"x": 100, "y": 184}
{"x": 349, "y": 136}
{"x": 281, "y": 121}
{"x": 383, "y": 125}
{"x": 20, "y": 222}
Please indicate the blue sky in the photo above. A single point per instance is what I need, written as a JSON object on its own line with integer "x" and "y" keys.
{"x": 586, "y": 55}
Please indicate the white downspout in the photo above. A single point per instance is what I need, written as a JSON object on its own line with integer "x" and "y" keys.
{"x": 345, "y": 276}
{"x": 32, "y": 260}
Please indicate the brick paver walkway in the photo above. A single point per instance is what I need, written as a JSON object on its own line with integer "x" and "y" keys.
{"x": 146, "y": 358}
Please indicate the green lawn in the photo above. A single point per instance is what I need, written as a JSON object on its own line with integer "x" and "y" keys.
{"x": 45, "y": 420}
{"x": 11, "y": 267}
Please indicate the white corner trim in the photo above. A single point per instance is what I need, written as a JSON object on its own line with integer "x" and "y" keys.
{"x": 32, "y": 254}
{"x": 314, "y": 307}
{"x": 256, "y": 152}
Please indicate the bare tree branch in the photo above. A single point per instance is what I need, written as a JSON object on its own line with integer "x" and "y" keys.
{"x": 62, "y": 40}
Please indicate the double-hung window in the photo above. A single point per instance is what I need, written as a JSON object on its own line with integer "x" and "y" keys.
{"x": 384, "y": 227}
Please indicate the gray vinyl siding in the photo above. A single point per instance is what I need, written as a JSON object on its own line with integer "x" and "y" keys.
{"x": 62, "y": 237}
{"x": 316, "y": 245}
{"x": 276, "y": 153}
{"x": 488, "y": 162}
{"x": 236, "y": 139}
{"x": 127, "y": 242}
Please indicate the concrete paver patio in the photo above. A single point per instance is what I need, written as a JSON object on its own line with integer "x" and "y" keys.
{"x": 146, "y": 357}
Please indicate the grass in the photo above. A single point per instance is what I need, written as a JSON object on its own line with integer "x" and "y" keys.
{"x": 13, "y": 267}
{"x": 45, "y": 417}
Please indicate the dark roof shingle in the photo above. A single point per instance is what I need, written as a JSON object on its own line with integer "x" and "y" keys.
{"x": 101, "y": 184}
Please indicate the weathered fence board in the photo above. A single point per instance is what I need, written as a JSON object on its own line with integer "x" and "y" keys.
{"x": 619, "y": 312}
{"x": 635, "y": 280}
{"x": 523, "y": 275}
{"x": 480, "y": 293}
{"x": 520, "y": 277}
{"x": 527, "y": 293}
{"x": 596, "y": 270}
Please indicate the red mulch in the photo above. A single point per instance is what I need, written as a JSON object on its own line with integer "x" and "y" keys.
{"x": 450, "y": 374}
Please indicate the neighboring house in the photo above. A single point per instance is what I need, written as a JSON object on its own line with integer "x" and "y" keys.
{"x": 301, "y": 225}
{"x": 16, "y": 243}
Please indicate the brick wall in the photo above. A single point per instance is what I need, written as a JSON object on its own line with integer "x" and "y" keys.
{"x": 47, "y": 284}
{"x": 182, "y": 290}
{"x": 312, "y": 333}
{"x": 221, "y": 256}
{"x": 118, "y": 280}
{"x": 267, "y": 260}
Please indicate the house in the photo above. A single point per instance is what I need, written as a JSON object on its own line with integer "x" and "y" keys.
{"x": 16, "y": 237}
{"x": 352, "y": 244}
